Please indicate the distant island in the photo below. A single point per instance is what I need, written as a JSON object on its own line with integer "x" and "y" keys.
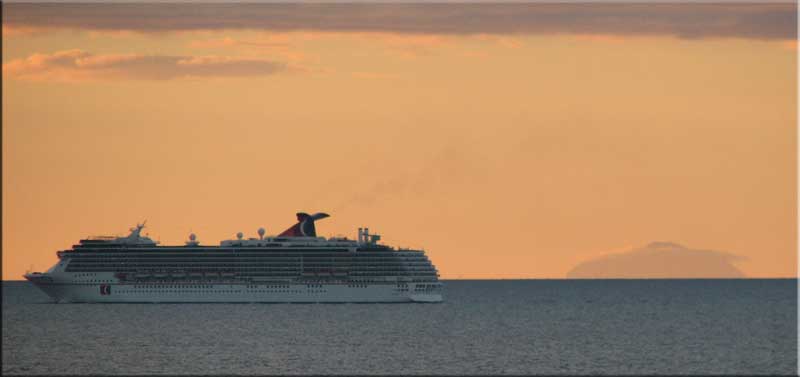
{"x": 659, "y": 260}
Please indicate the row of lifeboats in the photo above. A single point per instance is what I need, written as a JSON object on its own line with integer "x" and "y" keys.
{"x": 326, "y": 273}
{"x": 175, "y": 275}
{"x": 224, "y": 274}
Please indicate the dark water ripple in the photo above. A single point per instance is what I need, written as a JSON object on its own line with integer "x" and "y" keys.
{"x": 483, "y": 327}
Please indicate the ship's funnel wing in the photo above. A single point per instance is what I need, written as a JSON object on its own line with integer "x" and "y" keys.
{"x": 304, "y": 226}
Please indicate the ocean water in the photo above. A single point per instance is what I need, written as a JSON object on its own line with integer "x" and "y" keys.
{"x": 483, "y": 327}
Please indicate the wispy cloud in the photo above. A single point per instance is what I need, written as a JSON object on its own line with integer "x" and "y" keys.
{"x": 78, "y": 65}
{"x": 409, "y": 46}
{"x": 688, "y": 20}
{"x": 273, "y": 45}
{"x": 234, "y": 42}
{"x": 453, "y": 167}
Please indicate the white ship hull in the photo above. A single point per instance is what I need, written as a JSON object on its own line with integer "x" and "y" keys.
{"x": 65, "y": 291}
{"x": 232, "y": 293}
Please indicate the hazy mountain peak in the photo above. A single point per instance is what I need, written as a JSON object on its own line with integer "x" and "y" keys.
{"x": 664, "y": 245}
{"x": 659, "y": 260}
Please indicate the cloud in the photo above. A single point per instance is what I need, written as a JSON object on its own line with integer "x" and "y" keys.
{"x": 409, "y": 45}
{"x": 688, "y": 20}
{"x": 21, "y": 30}
{"x": 233, "y": 42}
{"x": 273, "y": 44}
{"x": 659, "y": 260}
{"x": 78, "y": 65}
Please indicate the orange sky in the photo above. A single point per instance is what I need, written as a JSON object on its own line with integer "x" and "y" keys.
{"x": 503, "y": 154}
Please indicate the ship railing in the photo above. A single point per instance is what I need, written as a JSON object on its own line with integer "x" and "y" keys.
{"x": 102, "y": 238}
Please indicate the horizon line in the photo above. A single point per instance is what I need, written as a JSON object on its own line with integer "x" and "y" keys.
{"x": 617, "y": 278}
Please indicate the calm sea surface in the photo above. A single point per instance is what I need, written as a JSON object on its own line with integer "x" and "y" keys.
{"x": 483, "y": 327}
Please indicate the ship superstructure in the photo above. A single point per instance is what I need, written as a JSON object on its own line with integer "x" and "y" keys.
{"x": 293, "y": 266}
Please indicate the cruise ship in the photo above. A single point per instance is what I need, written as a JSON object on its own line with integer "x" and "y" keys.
{"x": 293, "y": 266}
